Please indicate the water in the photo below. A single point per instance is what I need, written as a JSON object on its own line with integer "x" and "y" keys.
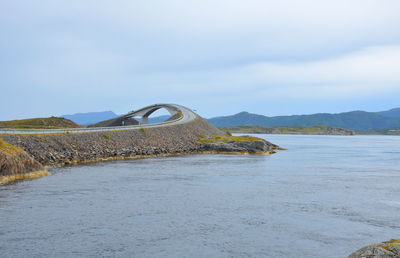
{"x": 326, "y": 196}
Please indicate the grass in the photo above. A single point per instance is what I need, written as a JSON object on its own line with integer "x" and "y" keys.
{"x": 142, "y": 129}
{"x": 227, "y": 139}
{"x": 107, "y": 136}
{"x": 40, "y": 123}
{"x": 392, "y": 242}
{"x": 9, "y": 149}
{"x": 12, "y": 151}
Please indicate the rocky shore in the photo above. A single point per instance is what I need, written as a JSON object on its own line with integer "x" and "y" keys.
{"x": 237, "y": 144}
{"x": 76, "y": 148}
{"x": 16, "y": 164}
{"x": 388, "y": 249}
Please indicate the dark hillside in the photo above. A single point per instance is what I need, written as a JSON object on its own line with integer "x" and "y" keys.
{"x": 355, "y": 120}
{"x": 395, "y": 112}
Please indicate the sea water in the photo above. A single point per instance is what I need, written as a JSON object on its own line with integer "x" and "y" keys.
{"x": 326, "y": 196}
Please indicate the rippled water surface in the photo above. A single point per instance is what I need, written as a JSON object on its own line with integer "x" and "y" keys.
{"x": 326, "y": 196}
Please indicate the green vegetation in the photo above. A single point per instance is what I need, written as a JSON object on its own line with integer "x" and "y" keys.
{"x": 142, "y": 129}
{"x": 40, "y": 123}
{"x": 319, "y": 129}
{"x": 228, "y": 133}
{"x": 227, "y": 139}
{"x": 107, "y": 136}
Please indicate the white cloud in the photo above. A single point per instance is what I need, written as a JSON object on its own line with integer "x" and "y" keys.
{"x": 367, "y": 72}
{"x": 146, "y": 51}
{"x": 370, "y": 71}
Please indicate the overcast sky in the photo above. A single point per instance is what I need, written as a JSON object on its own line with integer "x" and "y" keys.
{"x": 218, "y": 57}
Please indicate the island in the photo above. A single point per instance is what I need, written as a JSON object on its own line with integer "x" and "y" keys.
{"x": 311, "y": 130}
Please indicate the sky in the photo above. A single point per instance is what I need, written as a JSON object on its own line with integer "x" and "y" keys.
{"x": 218, "y": 57}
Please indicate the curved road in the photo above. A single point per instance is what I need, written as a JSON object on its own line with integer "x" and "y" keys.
{"x": 187, "y": 116}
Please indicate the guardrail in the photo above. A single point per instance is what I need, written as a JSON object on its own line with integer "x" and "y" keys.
{"x": 84, "y": 130}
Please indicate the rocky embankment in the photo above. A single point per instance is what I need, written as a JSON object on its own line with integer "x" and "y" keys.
{"x": 389, "y": 249}
{"x": 60, "y": 149}
{"x": 197, "y": 136}
{"x": 16, "y": 164}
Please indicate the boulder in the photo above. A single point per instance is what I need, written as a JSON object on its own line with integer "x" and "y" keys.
{"x": 387, "y": 249}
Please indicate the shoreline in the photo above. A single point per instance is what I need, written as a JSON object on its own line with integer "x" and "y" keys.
{"x": 4, "y": 180}
{"x": 57, "y": 150}
{"x": 160, "y": 155}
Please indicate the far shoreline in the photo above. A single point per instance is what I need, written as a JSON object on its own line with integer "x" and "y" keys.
{"x": 305, "y": 130}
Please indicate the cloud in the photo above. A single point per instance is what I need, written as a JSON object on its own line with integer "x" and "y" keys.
{"x": 366, "y": 72}
{"x": 373, "y": 70}
{"x": 194, "y": 52}
{"x": 212, "y": 31}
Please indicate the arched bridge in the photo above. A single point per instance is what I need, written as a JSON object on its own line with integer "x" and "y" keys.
{"x": 176, "y": 112}
{"x": 179, "y": 115}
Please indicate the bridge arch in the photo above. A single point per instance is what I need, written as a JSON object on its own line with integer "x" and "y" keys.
{"x": 174, "y": 110}
{"x": 144, "y": 113}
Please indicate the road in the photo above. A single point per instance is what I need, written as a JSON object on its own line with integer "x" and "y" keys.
{"x": 187, "y": 116}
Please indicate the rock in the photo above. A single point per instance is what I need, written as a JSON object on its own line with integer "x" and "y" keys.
{"x": 382, "y": 250}
{"x": 237, "y": 144}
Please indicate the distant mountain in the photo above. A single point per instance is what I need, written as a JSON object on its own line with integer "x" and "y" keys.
{"x": 90, "y": 117}
{"x": 158, "y": 119}
{"x": 355, "y": 120}
{"x": 395, "y": 112}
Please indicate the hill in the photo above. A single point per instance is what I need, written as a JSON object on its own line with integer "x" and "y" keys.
{"x": 355, "y": 120}
{"x": 395, "y": 112}
{"x": 314, "y": 130}
{"x": 40, "y": 123}
{"x": 90, "y": 117}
